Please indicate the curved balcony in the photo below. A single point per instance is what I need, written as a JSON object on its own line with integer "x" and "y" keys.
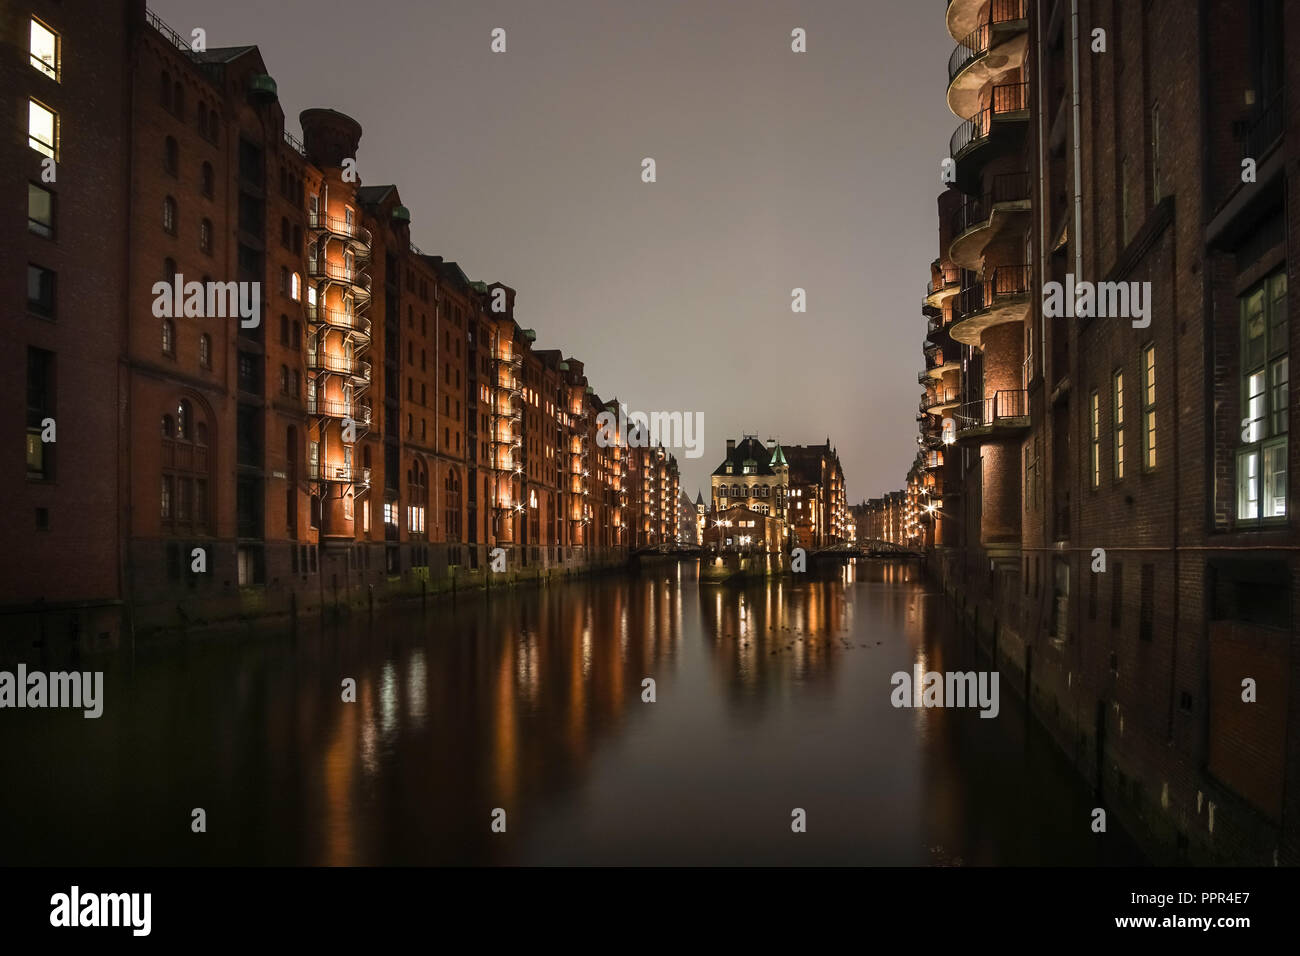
{"x": 986, "y": 53}
{"x": 355, "y": 368}
{"x": 980, "y": 219}
{"x": 940, "y": 289}
{"x": 1003, "y": 297}
{"x": 356, "y": 236}
{"x": 1004, "y": 414}
{"x": 338, "y": 319}
{"x": 336, "y": 274}
{"x": 934, "y": 364}
{"x": 978, "y": 139}
{"x": 335, "y": 408}
{"x": 940, "y": 399}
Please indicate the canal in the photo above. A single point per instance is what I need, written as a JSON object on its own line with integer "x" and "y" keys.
{"x": 768, "y": 698}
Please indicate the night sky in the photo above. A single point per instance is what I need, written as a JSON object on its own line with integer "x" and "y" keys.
{"x": 775, "y": 170}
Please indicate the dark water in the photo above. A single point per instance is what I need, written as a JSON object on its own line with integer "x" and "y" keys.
{"x": 769, "y": 698}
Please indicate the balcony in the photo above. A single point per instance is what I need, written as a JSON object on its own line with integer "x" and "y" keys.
{"x": 355, "y": 368}
{"x": 347, "y": 474}
{"x": 331, "y": 272}
{"x": 941, "y": 288}
{"x": 940, "y": 399}
{"x": 338, "y": 319}
{"x": 931, "y": 460}
{"x": 356, "y": 236}
{"x": 986, "y": 54}
{"x": 979, "y": 219}
{"x": 335, "y": 408}
{"x": 1003, "y": 297}
{"x": 1003, "y": 415}
{"x": 973, "y": 142}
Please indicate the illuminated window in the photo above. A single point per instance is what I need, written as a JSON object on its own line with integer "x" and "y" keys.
{"x": 1265, "y": 382}
{"x": 45, "y": 49}
{"x": 42, "y": 129}
{"x": 1149, "y": 407}
{"x": 1118, "y": 395}
{"x": 295, "y": 287}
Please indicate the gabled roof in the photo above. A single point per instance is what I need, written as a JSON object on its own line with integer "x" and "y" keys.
{"x": 748, "y": 451}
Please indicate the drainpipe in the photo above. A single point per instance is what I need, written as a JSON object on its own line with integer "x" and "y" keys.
{"x": 1078, "y": 155}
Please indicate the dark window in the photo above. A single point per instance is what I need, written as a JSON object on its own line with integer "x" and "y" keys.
{"x": 40, "y": 211}
{"x": 1146, "y": 629}
{"x": 1116, "y": 593}
{"x": 40, "y": 290}
{"x": 171, "y": 156}
{"x": 207, "y": 180}
{"x": 40, "y": 406}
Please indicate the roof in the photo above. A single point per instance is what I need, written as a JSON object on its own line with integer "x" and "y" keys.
{"x": 221, "y": 54}
{"x": 373, "y": 195}
{"x": 748, "y": 451}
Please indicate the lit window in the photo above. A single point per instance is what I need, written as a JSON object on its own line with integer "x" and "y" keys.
{"x": 168, "y": 337}
{"x": 295, "y": 288}
{"x": 42, "y": 129}
{"x": 1265, "y": 375}
{"x": 1149, "y": 406}
{"x": 45, "y": 49}
{"x": 1119, "y": 423}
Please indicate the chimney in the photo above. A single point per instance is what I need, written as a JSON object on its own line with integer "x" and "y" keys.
{"x": 771, "y": 444}
{"x": 731, "y": 444}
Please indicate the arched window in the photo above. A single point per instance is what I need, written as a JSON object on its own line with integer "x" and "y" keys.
{"x": 284, "y": 232}
{"x": 203, "y": 118}
{"x": 165, "y": 90}
{"x": 214, "y": 126}
{"x": 295, "y": 288}
{"x": 171, "y": 156}
{"x": 169, "y": 270}
{"x": 207, "y": 180}
{"x": 297, "y": 336}
{"x": 168, "y": 337}
{"x": 284, "y": 380}
{"x": 169, "y": 215}
{"x": 205, "y": 350}
{"x": 205, "y": 236}
{"x": 284, "y": 330}
{"x": 184, "y": 420}
{"x": 178, "y": 99}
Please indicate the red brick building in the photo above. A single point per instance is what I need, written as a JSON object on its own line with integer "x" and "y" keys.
{"x": 1119, "y": 482}
{"x": 332, "y": 414}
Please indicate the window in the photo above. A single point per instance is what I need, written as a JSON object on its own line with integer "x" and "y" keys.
{"x": 205, "y": 351}
{"x": 40, "y": 406}
{"x": 1118, "y": 396}
{"x": 1265, "y": 389}
{"x": 44, "y": 49}
{"x": 1146, "y": 610}
{"x": 171, "y": 156}
{"x": 1094, "y": 435}
{"x": 284, "y": 380}
{"x": 205, "y": 236}
{"x": 42, "y": 129}
{"x": 207, "y": 180}
{"x": 40, "y": 290}
{"x": 295, "y": 287}
{"x": 1149, "y": 407}
{"x": 169, "y": 215}
{"x": 168, "y": 337}
{"x": 40, "y": 211}
{"x": 165, "y": 90}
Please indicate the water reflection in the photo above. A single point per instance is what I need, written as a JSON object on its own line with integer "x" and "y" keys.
{"x": 767, "y": 698}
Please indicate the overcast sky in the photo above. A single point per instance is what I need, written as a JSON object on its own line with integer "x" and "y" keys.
{"x": 776, "y": 170}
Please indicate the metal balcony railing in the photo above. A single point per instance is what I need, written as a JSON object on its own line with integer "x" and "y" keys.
{"x": 1006, "y": 282}
{"x": 1258, "y": 134}
{"x": 975, "y": 210}
{"x": 334, "y": 272}
{"x": 322, "y": 471}
{"x": 975, "y": 44}
{"x": 294, "y": 143}
{"x": 949, "y": 275}
{"x": 340, "y": 364}
{"x": 1010, "y": 407}
{"x": 319, "y": 222}
{"x": 338, "y": 319}
{"x": 334, "y": 408}
{"x": 1008, "y": 98}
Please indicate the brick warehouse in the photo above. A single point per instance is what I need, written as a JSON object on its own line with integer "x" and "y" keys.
{"x": 1161, "y": 441}
{"x": 382, "y": 424}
